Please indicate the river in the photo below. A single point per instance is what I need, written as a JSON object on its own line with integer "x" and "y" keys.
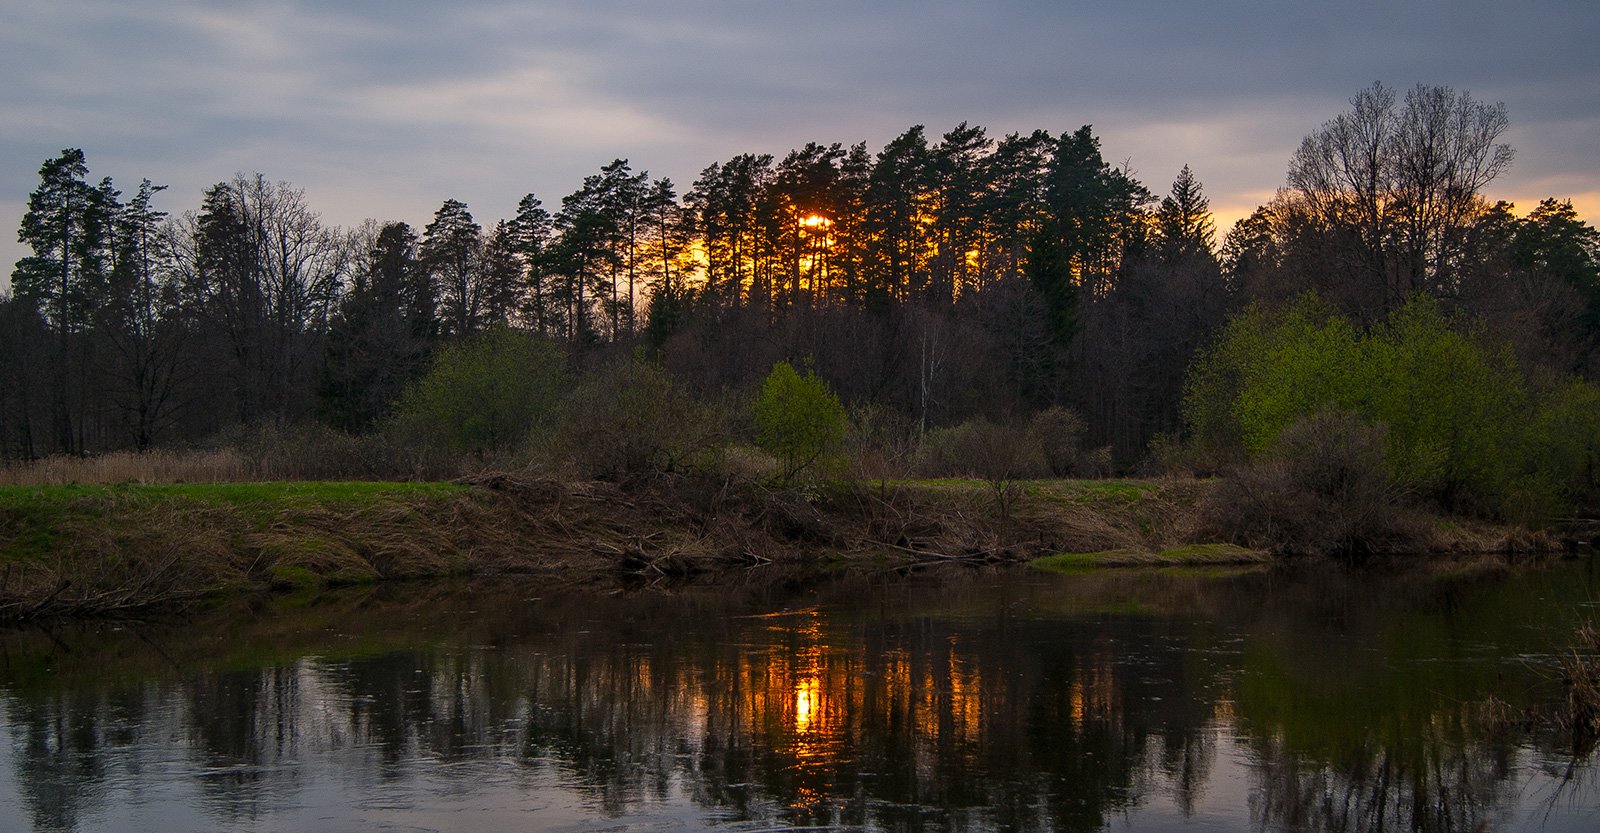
{"x": 1304, "y": 699}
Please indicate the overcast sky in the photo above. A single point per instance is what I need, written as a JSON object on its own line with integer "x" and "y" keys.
{"x": 385, "y": 108}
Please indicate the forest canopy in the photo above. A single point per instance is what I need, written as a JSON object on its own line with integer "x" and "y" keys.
{"x": 940, "y": 279}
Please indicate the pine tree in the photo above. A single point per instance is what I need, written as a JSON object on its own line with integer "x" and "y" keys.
{"x": 452, "y": 251}
{"x": 502, "y": 276}
{"x": 531, "y": 231}
{"x": 379, "y": 341}
{"x": 68, "y": 227}
{"x": 899, "y": 197}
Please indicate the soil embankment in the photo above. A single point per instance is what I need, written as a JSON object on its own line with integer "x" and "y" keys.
{"x": 100, "y": 549}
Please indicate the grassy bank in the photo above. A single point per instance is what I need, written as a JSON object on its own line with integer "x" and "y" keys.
{"x": 93, "y": 548}
{"x": 1188, "y": 555}
{"x": 87, "y": 549}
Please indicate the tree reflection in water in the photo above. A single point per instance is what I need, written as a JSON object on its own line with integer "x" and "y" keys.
{"x": 991, "y": 702}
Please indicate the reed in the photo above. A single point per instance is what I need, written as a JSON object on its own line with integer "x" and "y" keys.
{"x": 191, "y": 466}
{"x": 261, "y": 453}
{"x": 1579, "y": 715}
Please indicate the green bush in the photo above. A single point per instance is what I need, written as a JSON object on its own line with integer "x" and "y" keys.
{"x": 1307, "y": 362}
{"x": 1457, "y": 415}
{"x": 1563, "y": 448}
{"x": 799, "y": 419}
{"x": 486, "y": 394}
{"x": 1454, "y": 409}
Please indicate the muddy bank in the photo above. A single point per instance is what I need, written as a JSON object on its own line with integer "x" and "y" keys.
{"x": 94, "y": 550}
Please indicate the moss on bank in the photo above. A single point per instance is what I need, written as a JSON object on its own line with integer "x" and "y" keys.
{"x": 1188, "y": 555}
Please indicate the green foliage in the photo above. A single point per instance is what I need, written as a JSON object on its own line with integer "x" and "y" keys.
{"x": 1217, "y": 380}
{"x": 1454, "y": 408}
{"x": 1460, "y": 421}
{"x": 1563, "y": 445}
{"x": 1309, "y": 362}
{"x": 799, "y": 419}
{"x": 486, "y": 394}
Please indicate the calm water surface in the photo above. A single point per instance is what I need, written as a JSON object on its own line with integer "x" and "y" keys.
{"x": 1301, "y": 700}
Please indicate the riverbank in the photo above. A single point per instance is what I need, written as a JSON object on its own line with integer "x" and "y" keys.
{"x": 86, "y": 550}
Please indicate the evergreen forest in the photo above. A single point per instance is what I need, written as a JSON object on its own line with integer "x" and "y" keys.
{"x": 944, "y": 283}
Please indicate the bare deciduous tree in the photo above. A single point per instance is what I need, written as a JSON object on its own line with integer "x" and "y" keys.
{"x": 1403, "y": 181}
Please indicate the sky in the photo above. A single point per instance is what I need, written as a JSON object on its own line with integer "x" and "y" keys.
{"x": 385, "y": 108}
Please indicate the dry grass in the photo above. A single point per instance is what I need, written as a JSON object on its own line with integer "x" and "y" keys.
{"x": 213, "y": 466}
{"x": 1579, "y": 715}
{"x": 1574, "y": 717}
{"x": 261, "y": 453}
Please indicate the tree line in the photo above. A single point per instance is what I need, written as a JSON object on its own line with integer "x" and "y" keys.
{"x": 941, "y": 279}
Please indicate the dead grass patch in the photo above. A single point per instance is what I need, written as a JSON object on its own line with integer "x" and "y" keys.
{"x": 212, "y": 466}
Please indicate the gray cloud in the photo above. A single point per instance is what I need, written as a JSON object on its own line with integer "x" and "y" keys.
{"x": 381, "y": 108}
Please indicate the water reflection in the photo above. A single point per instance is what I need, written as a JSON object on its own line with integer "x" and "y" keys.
{"x": 1143, "y": 701}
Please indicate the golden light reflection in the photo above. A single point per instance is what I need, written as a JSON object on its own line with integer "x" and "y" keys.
{"x": 1095, "y": 692}
{"x": 814, "y": 694}
{"x": 807, "y": 703}
{"x": 815, "y": 221}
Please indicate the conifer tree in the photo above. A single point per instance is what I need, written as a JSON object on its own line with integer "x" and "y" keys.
{"x": 67, "y": 226}
{"x": 452, "y": 252}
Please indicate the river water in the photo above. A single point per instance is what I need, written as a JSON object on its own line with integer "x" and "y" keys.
{"x": 1283, "y": 700}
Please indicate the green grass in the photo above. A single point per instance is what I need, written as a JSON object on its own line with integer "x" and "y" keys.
{"x": 34, "y": 509}
{"x": 34, "y": 519}
{"x": 1089, "y": 491}
{"x": 1189, "y": 555}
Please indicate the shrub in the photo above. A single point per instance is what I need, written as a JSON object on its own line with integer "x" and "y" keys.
{"x": 1168, "y": 454}
{"x": 980, "y": 449}
{"x": 1000, "y": 455}
{"x": 485, "y": 395}
{"x": 1453, "y": 408}
{"x": 1057, "y": 435}
{"x": 1455, "y": 411}
{"x": 1563, "y": 451}
{"x": 631, "y": 419}
{"x": 798, "y": 419}
{"x": 881, "y": 444}
{"x": 1221, "y": 374}
{"x": 1323, "y": 488}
